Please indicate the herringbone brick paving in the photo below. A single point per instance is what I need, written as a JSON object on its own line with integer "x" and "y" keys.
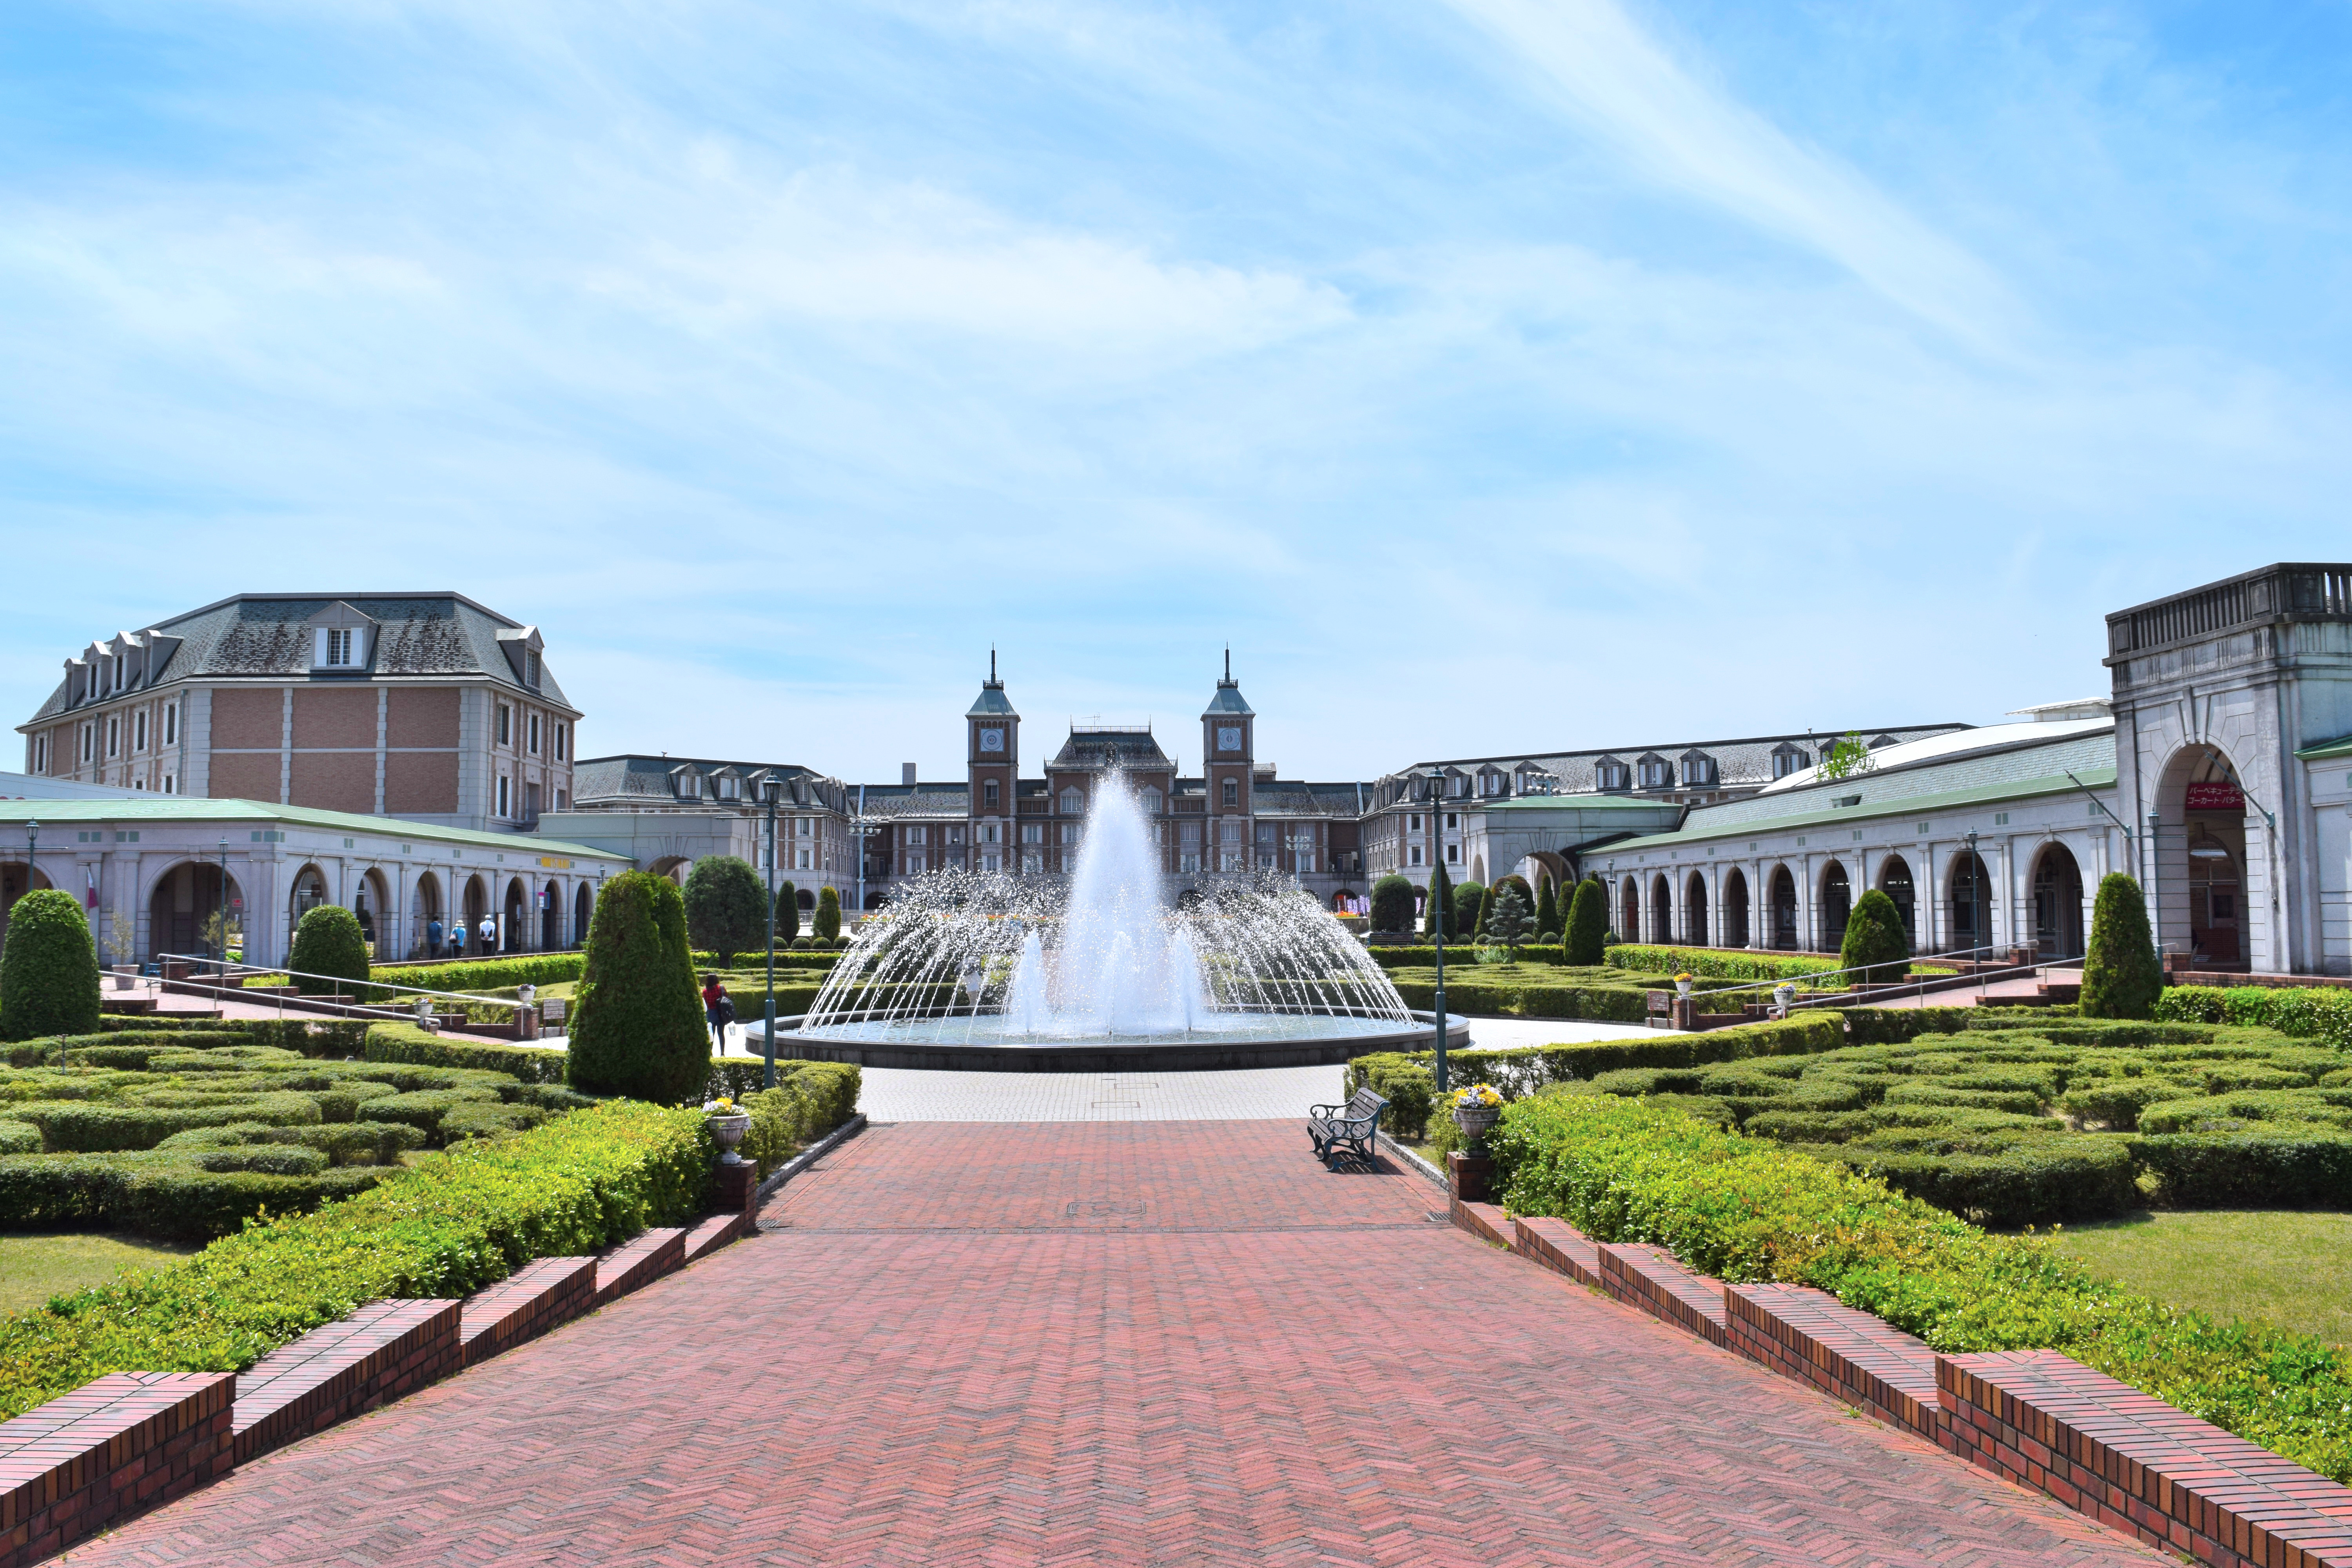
{"x": 1159, "y": 1342}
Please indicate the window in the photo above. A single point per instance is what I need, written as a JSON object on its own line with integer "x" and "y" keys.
{"x": 804, "y": 826}
{"x": 955, "y": 833}
{"x": 1069, "y": 833}
{"x": 2001, "y": 819}
{"x": 1233, "y": 792}
{"x": 40, "y": 753}
{"x": 530, "y": 801}
{"x": 1029, "y": 864}
{"x": 171, "y": 724}
{"x": 114, "y": 734}
{"x": 1072, "y": 801}
{"x": 562, "y": 799}
{"x": 170, "y": 784}
{"x": 534, "y": 734}
{"x": 1453, "y": 854}
{"x": 1612, "y": 776}
{"x": 1412, "y": 857}
{"x": 118, "y": 672}
{"x": 914, "y": 834}
{"x": 1416, "y": 822}
{"x": 804, "y": 860}
{"x": 914, "y": 865}
{"x": 1453, "y": 822}
{"x": 1032, "y": 833}
{"x": 339, "y": 647}
{"x": 89, "y": 741}
{"x": 1654, "y": 775}
{"x": 505, "y": 785}
{"x": 1230, "y": 830}
{"x": 1698, "y": 771}
{"x": 988, "y": 833}
{"x": 1788, "y": 760}
{"x": 730, "y": 787}
{"x": 138, "y": 730}
{"x": 988, "y": 793}
{"x": 1151, "y": 800}
{"x": 506, "y": 725}
{"x": 530, "y": 670}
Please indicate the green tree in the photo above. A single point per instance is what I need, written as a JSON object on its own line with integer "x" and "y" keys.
{"x": 1486, "y": 908}
{"x": 788, "y": 913}
{"x": 1588, "y": 923}
{"x": 1875, "y": 941}
{"x": 329, "y": 942}
{"x": 638, "y": 1025}
{"x": 726, "y": 907}
{"x": 1846, "y": 757}
{"x": 1508, "y": 920}
{"x": 2121, "y": 976}
{"x": 48, "y": 969}
{"x": 1435, "y": 914}
{"x": 1464, "y": 901}
{"x": 827, "y": 924}
{"x": 1547, "y": 912}
{"x": 1392, "y": 903}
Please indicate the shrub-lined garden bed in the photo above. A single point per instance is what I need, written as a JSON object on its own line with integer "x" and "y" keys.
{"x": 1746, "y": 1209}
{"x": 450, "y": 1225}
{"x": 2300, "y": 1012}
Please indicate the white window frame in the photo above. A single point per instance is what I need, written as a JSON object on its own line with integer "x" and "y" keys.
{"x": 88, "y": 742}
{"x": 506, "y": 794}
{"x": 534, "y": 734}
{"x": 113, "y": 735}
{"x": 1413, "y": 856}
{"x": 563, "y": 738}
{"x": 138, "y": 732}
{"x": 170, "y": 784}
{"x": 171, "y": 724}
{"x": 1072, "y": 800}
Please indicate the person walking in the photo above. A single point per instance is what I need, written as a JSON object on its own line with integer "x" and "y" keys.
{"x": 457, "y": 938}
{"x": 715, "y": 1006}
{"x": 489, "y": 935}
{"x": 433, "y": 937}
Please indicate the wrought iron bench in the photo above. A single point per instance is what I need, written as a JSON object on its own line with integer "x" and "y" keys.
{"x": 1350, "y": 1126}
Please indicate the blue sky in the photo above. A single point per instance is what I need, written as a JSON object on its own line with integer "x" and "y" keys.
{"x": 1492, "y": 374}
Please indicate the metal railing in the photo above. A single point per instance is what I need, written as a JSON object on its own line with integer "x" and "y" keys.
{"x": 358, "y": 1006}
{"x": 1983, "y": 976}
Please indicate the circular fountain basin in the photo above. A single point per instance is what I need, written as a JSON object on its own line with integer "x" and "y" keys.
{"x": 1224, "y": 1041}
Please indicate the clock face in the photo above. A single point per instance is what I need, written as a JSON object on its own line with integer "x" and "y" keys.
{"x": 992, "y": 739}
{"x": 1229, "y": 737}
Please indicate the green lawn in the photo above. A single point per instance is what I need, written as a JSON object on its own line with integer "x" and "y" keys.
{"x": 2290, "y": 1269}
{"x": 35, "y": 1267}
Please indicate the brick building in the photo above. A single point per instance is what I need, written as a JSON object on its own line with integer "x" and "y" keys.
{"x": 427, "y": 706}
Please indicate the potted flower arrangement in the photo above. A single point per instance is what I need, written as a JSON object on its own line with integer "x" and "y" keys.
{"x": 728, "y": 1121}
{"x": 1476, "y": 1111}
{"x": 1785, "y": 993}
{"x": 1683, "y": 982}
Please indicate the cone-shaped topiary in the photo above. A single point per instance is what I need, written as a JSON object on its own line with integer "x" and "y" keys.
{"x": 1486, "y": 912}
{"x": 1547, "y": 912}
{"x": 827, "y": 924}
{"x": 1435, "y": 918}
{"x": 638, "y": 1025}
{"x": 788, "y": 913}
{"x": 1875, "y": 941}
{"x": 2121, "y": 976}
{"x": 1588, "y": 924}
{"x": 329, "y": 943}
{"x": 1392, "y": 903}
{"x": 48, "y": 969}
{"x": 726, "y": 908}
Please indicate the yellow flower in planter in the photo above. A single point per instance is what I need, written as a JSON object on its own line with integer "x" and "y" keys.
{"x": 1478, "y": 1094}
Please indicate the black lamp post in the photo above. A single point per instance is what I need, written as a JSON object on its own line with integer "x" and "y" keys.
{"x": 1437, "y": 918}
{"x": 222, "y": 954}
{"x": 770, "y": 788}
{"x": 1977, "y": 912}
{"x": 32, "y": 848}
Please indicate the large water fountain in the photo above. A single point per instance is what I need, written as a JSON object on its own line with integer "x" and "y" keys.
{"x": 1000, "y": 971}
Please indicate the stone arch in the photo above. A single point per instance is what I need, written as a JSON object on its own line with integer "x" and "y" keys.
{"x": 429, "y": 903}
{"x": 1341, "y": 900}
{"x": 473, "y": 903}
{"x": 372, "y": 902}
{"x": 1735, "y": 908}
{"x": 306, "y": 891}
{"x": 1783, "y": 889}
{"x": 1968, "y": 894}
{"x": 1833, "y": 903}
{"x": 1895, "y": 881}
{"x": 1662, "y": 911}
{"x": 2208, "y": 857}
{"x": 1478, "y": 870}
{"x": 875, "y": 897}
{"x": 1694, "y": 908}
{"x": 1629, "y": 904}
{"x": 806, "y": 898}
{"x": 583, "y": 909}
{"x": 1549, "y": 863}
{"x": 550, "y": 916}
{"x": 514, "y": 917}
{"x": 673, "y": 866}
{"x": 2057, "y": 890}
{"x": 182, "y": 896}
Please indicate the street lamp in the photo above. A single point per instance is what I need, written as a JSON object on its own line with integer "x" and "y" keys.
{"x": 223, "y": 954}
{"x": 1977, "y": 912}
{"x": 1438, "y": 927}
{"x": 32, "y": 847}
{"x": 771, "y": 789}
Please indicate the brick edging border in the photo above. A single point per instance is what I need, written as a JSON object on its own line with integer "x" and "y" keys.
{"x": 809, "y": 1156}
{"x": 1412, "y": 1162}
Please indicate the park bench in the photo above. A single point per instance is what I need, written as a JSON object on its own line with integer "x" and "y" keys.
{"x": 1349, "y": 1126}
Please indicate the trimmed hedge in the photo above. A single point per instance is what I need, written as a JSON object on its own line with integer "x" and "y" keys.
{"x": 446, "y": 1227}
{"x": 483, "y": 973}
{"x": 810, "y": 1100}
{"x": 1393, "y": 901}
{"x": 1521, "y": 1071}
{"x": 48, "y": 968}
{"x": 2300, "y": 1012}
{"x": 407, "y": 1043}
{"x": 1585, "y": 937}
{"x": 1715, "y": 964}
{"x": 330, "y": 943}
{"x": 1744, "y": 1209}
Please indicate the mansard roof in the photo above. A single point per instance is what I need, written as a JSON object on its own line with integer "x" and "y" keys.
{"x": 1097, "y": 748}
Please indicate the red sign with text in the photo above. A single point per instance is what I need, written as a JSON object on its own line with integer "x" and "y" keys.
{"x": 2222, "y": 796}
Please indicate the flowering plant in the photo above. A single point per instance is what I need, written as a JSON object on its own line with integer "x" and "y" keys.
{"x": 1684, "y": 978}
{"x": 1478, "y": 1094}
{"x": 723, "y": 1106}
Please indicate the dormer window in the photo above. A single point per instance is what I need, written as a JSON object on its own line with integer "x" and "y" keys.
{"x": 1657, "y": 773}
{"x": 729, "y": 787}
{"x": 1698, "y": 770}
{"x": 530, "y": 670}
{"x": 1610, "y": 774}
{"x": 1787, "y": 760}
{"x": 1072, "y": 802}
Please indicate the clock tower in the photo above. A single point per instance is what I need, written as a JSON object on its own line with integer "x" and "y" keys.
{"x": 1227, "y": 748}
{"x": 993, "y": 763}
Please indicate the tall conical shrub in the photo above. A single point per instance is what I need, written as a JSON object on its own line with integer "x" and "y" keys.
{"x": 2121, "y": 976}
{"x": 1875, "y": 941}
{"x": 48, "y": 969}
{"x": 1477, "y": 920}
{"x": 1437, "y": 919}
{"x": 1392, "y": 903}
{"x": 788, "y": 913}
{"x": 329, "y": 943}
{"x": 827, "y": 924}
{"x": 1547, "y": 912}
{"x": 637, "y": 1027}
{"x": 1588, "y": 923}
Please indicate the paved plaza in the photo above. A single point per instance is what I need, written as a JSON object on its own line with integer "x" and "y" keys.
{"x": 1169, "y": 1343}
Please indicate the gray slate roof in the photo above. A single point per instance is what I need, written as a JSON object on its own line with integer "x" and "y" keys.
{"x": 1746, "y": 761}
{"x": 268, "y": 635}
{"x": 1109, "y": 748}
{"x": 642, "y": 780}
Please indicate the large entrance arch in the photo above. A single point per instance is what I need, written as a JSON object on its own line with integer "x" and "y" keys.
{"x": 1661, "y": 911}
{"x": 1735, "y": 908}
{"x": 12, "y": 881}
{"x": 2203, "y": 879}
{"x": 1784, "y": 910}
{"x": 583, "y": 905}
{"x": 2057, "y": 903}
{"x": 373, "y": 905}
{"x": 1968, "y": 891}
{"x": 183, "y": 909}
{"x": 514, "y": 929}
{"x": 1629, "y": 924}
{"x": 1835, "y": 907}
{"x": 1695, "y": 909}
{"x": 1895, "y": 881}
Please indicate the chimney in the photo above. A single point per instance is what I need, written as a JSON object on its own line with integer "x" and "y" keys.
{"x": 906, "y": 774}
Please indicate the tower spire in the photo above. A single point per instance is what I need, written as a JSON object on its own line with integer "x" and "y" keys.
{"x": 992, "y": 661}
{"x": 1229, "y": 661}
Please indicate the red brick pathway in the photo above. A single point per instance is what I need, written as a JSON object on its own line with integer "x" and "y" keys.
{"x": 1136, "y": 1342}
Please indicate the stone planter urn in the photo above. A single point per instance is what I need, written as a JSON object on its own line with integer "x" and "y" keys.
{"x": 1682, "y": 986}
{"x": 526, "y": 994}
{"x": 729, "y": 1130}
{"x": 1785, "y": 993}
{"x": 1476, "y": 1122}
{"x": 125, "y": 974}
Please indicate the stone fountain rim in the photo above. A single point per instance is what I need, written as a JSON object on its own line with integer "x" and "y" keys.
{"x": 1112, "y": 1056}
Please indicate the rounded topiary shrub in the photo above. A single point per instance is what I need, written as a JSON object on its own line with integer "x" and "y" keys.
{"x": 726, "y": 907}
{"x": 637, "y": 1027}
{"x": 827, "y": 924}
{"x": 2121, "y": 976}
{"x": 48, "y": 969}
{"x": 329, "y": 943}
{"x": 1875, "y": 941}
{"x": 802, "y": 943}
{"x": 1587, "y": 936}
{"x": 1393, "y": 901}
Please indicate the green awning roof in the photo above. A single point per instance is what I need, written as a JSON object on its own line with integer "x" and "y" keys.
{"x": 1878, "y": 810}
{"x": 158, "y": 808}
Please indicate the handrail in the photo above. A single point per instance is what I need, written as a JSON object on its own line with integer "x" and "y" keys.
{"x": 225, "y": 970}
{"x": 1956, "y": 953}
